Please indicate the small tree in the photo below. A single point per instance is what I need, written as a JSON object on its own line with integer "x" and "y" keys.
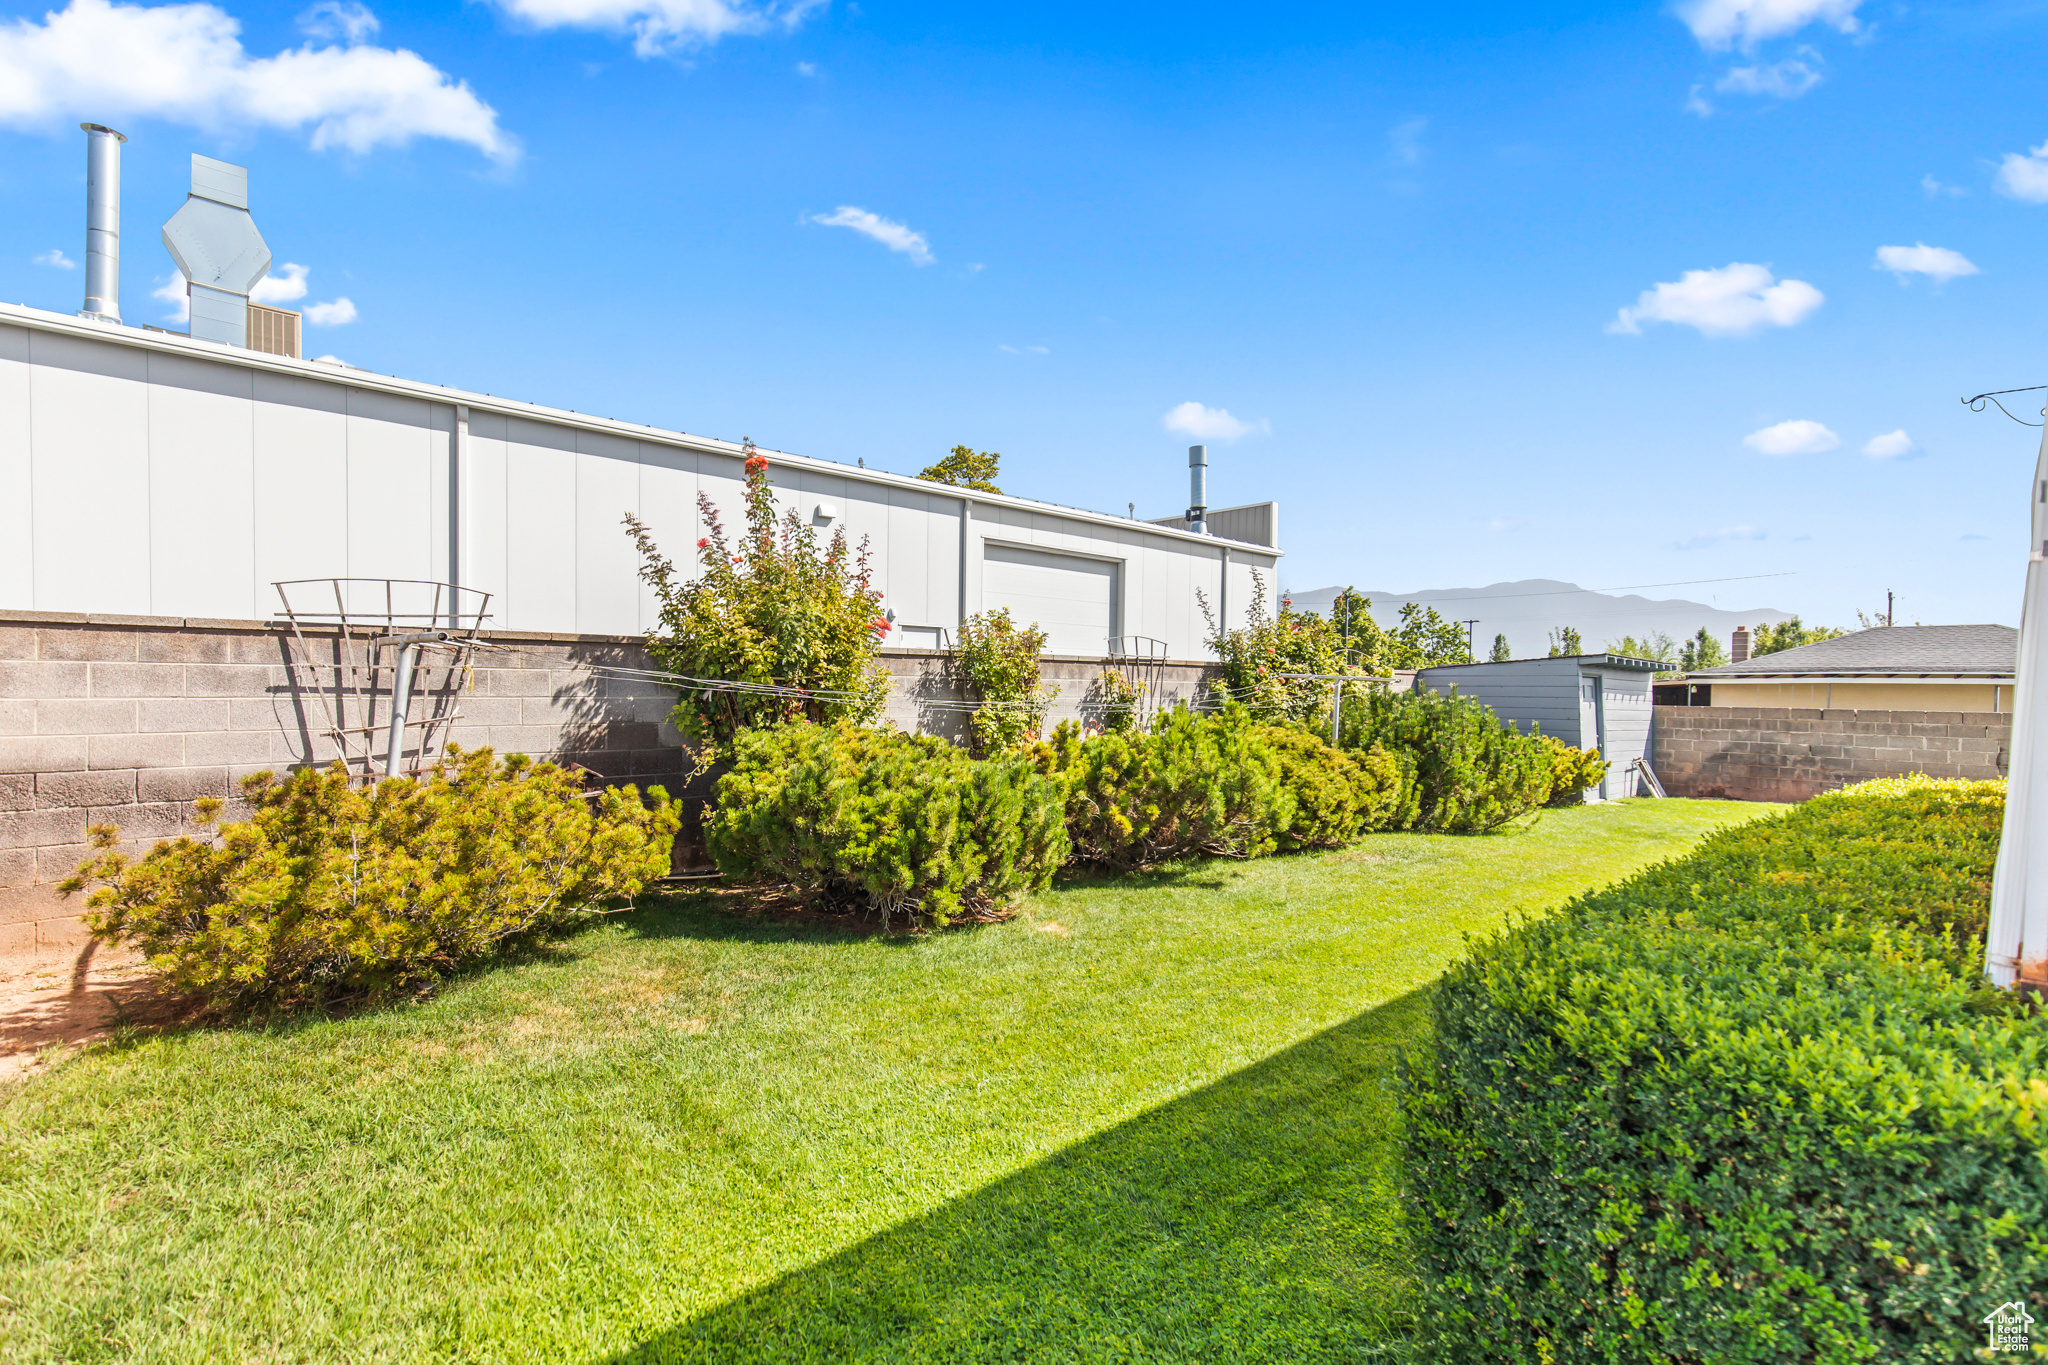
{"x": 796, "y": 625}
{"x": 966, "y": 467}
{"x": 1565, "y": 642}
{"x": 1255, "y": 654}
{"x": 1500, "y": 653}
{"x": 1789, "y": 634}
{"x": 1000, "y": 661}
{"x": 1701, "y": 651}
{"x": 1424, "y": 639}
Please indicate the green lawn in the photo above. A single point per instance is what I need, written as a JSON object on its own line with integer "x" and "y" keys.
{"x": 1148, "y": 1119}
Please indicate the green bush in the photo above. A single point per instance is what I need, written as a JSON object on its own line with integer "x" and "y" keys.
{"x": 330, "y": 890}
{"x": 1192, "y": 784}
{"x": 795, "y": 623}
{"x": 1337, "y": 796}
{"x": 1255, "y": 655}
{"x": 902, "y": 824}
{"x": 1000, "y": 661}
{"x": 1465, "y": 770}
{"x": 1573, "y": 772}
{"x": 1753, "y": 1105}
{"x": 1118, "y": 701}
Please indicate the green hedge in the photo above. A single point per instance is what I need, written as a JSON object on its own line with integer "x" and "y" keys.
{"x": 1464, "y": 770}
{"x": 1337, "y": 796}
{"x": 911, "y": 825}
{"x": 1752, "y": 1105}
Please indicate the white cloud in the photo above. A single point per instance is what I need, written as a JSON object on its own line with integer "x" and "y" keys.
{"x": 806, "y": 68}
{"x": 1404, "y": 141}
{"x": 1735, "y": 300}
{"x": 1889, "y": 446}
{"x": 1696, "y": 103}
{"x": 185, "y": 63}
{"x": 333, "y": 360}
{"x": 1506, "y": 524}
{"x": 1796, "y": 437}
{"x": 1705, "y": 539}
{"x": 1934, "y": 189}
{"x": 660, "y": 26}
{"x": 57, "y": 258}
{"x": 890, "y": 234}
{"x": 2025, "y": 177}
{"x": 1025, "y": 350}
{"x": 174, "y": 292}
{"x": 339, "y": 21}
{"x": 1786, "y": 80}
{"x": 275, "y": 289}
{"x": 1209, "y": 424}
{"x": 1936, "y": 262}
{"x": 336, "y": 314}
{"x": 1722, "y": 24}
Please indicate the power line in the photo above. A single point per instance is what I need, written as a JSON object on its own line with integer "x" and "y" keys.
{"x": 1448, "y": 599}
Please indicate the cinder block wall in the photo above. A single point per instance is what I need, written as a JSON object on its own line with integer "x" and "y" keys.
{"x": 1788, "y": 754}
{"x": 127, "y": 720}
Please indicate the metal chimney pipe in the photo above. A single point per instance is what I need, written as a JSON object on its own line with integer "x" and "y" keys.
{"x": 1198, "y": 489}
{"x": 102, "y": 222}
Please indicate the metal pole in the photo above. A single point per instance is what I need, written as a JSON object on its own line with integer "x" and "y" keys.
{"x": 401, "y": 702}
{"x": 102, "y": 222}
{"x": 2016, "y": 940}
{"x": 1336, "y": 710}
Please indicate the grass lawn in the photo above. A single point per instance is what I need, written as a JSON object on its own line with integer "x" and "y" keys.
{"x": 1148, "y": 1119}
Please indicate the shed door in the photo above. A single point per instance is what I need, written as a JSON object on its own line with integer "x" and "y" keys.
{"x": 1072, "y": 599}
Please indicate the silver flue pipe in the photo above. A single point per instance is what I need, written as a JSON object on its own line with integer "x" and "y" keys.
{"x": 102, "y": 222}
{"x": 1198, "y": 489}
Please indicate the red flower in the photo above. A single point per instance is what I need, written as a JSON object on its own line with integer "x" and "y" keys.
{"x": 705, "y": 543}
{"x": 735, "y": 559}
{"x": 756, "y": 463}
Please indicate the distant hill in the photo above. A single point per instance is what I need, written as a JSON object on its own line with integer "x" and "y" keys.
{"x": 1525, "y": 612}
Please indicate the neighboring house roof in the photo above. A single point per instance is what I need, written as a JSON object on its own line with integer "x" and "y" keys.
{"x": 1888, "y": 652}
{"x": 1594, "y": 660}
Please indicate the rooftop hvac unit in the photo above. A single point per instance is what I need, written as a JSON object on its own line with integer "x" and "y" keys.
{"x": 274, "y": 330}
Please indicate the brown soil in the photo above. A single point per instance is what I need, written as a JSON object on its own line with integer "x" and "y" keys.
{"x": 50, "y": 1006}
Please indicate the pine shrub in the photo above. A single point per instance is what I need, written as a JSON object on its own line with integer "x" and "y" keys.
{"x": 331, "y": 890}
{"x": 1573, "y": 772}
{"x": 1753, "y": 1105}
{"x": 1466, "y": 771}
{"x": 1189, "y": 785}
{"x": 903, "y": 824}
{"x": 1337, "y": 796}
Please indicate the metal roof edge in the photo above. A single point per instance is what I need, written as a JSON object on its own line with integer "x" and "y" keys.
{"x": 178, "y": 344}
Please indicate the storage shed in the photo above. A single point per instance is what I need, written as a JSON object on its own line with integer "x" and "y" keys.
{"x": 1590, "y": 701}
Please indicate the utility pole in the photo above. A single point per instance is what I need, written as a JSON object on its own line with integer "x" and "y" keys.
{"x": 1887, "y": 607}
{"x": 1471, "y": 639}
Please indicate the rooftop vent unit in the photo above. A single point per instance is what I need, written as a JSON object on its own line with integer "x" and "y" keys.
{"x": 274, "y": 331}
{"x": 215, "y": 243}
{"x": 102, "y": 223}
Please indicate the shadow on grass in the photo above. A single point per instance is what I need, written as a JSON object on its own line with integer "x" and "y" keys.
{"x": 1256, "y": 1219}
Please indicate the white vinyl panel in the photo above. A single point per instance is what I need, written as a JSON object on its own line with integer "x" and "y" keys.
{"x": 483, "y": 512}
{"x": 202, "y": 492}
{"x": 1177, "y": 622}
{"x": 1241, "y": 589}
{"x": 942, "y": 560}
{"x": 867, "y": 511}
{"x": 390, "y": 491}
{"x": 540, "y": 503}
{"x": 441, "y": 485}
{"x": 607, "y": 488}
{"x": 908, "y": 561}
{"x": 89, "y": 425}
{"x": 719, "y": 478}
{"x": 668, "y": 506}
{"x": 300, "y": 472}
{"x": 17, "y": 533}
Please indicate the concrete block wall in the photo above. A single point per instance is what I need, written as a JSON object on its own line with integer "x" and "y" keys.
{"x": 128, "y": 720}
{"x": 1789, "y": 754}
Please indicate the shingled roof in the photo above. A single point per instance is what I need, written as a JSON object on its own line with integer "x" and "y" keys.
{"x": 1889, "y": 652}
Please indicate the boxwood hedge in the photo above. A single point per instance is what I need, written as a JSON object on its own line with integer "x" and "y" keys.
{"x": 1752, "y": 1105}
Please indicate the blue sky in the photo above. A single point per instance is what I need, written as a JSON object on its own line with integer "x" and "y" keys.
{"x": 1590, "y": 292}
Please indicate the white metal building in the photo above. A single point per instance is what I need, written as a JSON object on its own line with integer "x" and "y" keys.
{"x": 149, "y": 473}
{"x": 1590, "y": 701}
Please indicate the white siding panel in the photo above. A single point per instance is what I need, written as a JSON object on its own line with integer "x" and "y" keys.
{"x": 89, "y": 405}
{"x": 905, "y": 576}
{"x": 390, "y": 488}
{"x": 1070, "y": 598}
{"x": 719, "y": 476}
{"x": 300, "y": 468}
{"x": 483, "y": 524}
{"x": 607, "y": 488}
{"x": 17, "y": 527}
{"x": 202, "y": 547}
{"x": 668, "y": 506}
{"x": 540, "y": 505}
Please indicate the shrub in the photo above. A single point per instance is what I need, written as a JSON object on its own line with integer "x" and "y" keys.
{"x": 1337, "y": 796}
{"x": 330, "y": 890}
{"x": 1752, "y": 1105}
{"x": 797, "y": 626}
{"x": 902, "y": 824}
{"x": 1000, "y": 661}
{"x": 1572, "y": 771}
{"x": 1256, "y": 653}
{"x": 1117, "y": 700}
{"x": 1189, "y": 785}
{"x": 1466, "y": 770}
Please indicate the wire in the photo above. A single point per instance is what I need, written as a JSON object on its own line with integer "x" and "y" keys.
{"x": 1977, "y": 404}
{"x": 1560, "y": 592}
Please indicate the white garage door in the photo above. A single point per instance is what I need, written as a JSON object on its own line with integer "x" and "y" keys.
{"x": 1073, "y": 600}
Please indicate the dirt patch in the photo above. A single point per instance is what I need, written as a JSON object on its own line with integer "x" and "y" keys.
{"x": 46, "y": 1006}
